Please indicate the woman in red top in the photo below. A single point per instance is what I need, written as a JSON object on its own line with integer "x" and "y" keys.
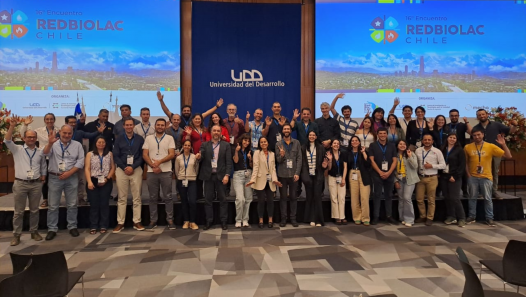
{"x": 195, "y": 132}
{"x": 215, "y": 119}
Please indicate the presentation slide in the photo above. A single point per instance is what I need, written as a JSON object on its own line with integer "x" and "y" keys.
{"x": 101, "y": 54}
{"x": 437, "y": 54}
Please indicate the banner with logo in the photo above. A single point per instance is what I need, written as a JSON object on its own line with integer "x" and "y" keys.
{"x": 248, "y": 54}
{"x": 101, "y": 54}
{"x": 438, "y": 54}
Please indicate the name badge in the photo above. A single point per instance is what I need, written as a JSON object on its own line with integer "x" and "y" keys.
{"x": 30, "y": 174}
{"x": 384, "y": 166}
{"x": 338, "y": 179}
{"x": 62, "y": 166}
{"x": 185, "y": 183}
{"x": 278, "y": 137}
{"x": 480, "y": 169}
{"x": 254, "y": 143}
{"x": 231, "y": 139}
{"x": 418, "y": 143}
{"x": 214, "y": 163}
{"x": 354, "y": 176}
{"x": 268, "y": 177}
{"x": 129, "y": 160}
{"x": 312, "y": 171}
{"x": 346, "y": 142}
{"x": 447, "y": 169}
{"x": 453, "y": 131}
{"x": 289, "y": 164}
{"x": 247, "y": 173}
{"x": 101, "y": 179}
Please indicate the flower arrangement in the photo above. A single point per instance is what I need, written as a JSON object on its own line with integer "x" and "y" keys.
{"x": 4, "y": 126}
{"x": 510, "y": 116}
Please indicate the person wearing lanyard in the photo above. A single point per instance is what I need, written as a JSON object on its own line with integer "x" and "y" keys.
{"x": 430, "y": 160}
{"x": 479, "y": 155}
{"x": 395, "y": 132}
{"x": 42, "y": 140}
{"x": 288, "y": 158}
{"x": 99, "y": 167}
{"x": 405, "y": 180}
{"x": 264, "y": 180}
{"x": 215, "y": 119}
{"x": 186, "y": 168}
{"x": 233, "y": 123}
{"x": 366, "y": 134}
{"x": 242, "y": 174}
{"x": 256, "y": 128}
{"x": 407, "y": 112}
{"x": 97, "y": 124}
{"x": 312, "y": 176}
{"x": 158, "y": 151}
{"x": 126, "y": 111}
{"x": 66, "y": 157}
{"x": 30, "y": 174}
{"x": 348, "y": 126}
{"x": 360, "y": 181}
{"x": 417, "y": 128}
{"x": 451, "y": 180}
{"x": 337, "y": 167}
{"x": 329, "y": 127}
{"x": 215, "y": 160}
{"x": 127, "y": 154}
{"x": 275, "y": 124}
{"x": 382, "y": 155}
{"x": 144, "y": 128}
{"x": 440, "y": 131}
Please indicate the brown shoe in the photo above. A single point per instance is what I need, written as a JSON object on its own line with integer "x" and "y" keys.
{"x": 35, "y": 236}
{"x": 118, "y": 228}
{"x": 420, "y": 220}
{"x": 186, "y": 225}
{"x": 44, "y": 203}
{"x": 194, "y": 226}
{"x": 15, "y": 240}
{"x": 138, "y": 226}
{"x": 429, "y": 222}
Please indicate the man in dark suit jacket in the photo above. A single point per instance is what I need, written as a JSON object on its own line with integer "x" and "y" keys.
{"x": 95, "y": 125}
{"x": 216, "y": 164}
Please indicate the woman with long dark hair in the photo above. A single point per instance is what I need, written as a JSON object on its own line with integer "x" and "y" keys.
{"x": 440, "y": 131}
{"x": 264, "y": 180}
{"x": 378, "y": 118}
{"x": 99, "y": 168}
{"x": 195, "y": 132}
{"x": 242, "y": 174}
{"x": 337, "y": 169}
{"x": 394, "y": 129}
{"x": 312, "y": 168}
{"x": 451, "y": 180}
{"x": 215, "y": 119}
{"x": 186, "y": 169}
{"x": 360, "y": 182}
{"x": 366, "y": 134}
{"x": 406, "y": 179}
{"x": 416, "y": 129}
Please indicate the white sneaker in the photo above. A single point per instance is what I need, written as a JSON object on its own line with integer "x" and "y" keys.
{"x": 403, "y": 223}
{"x": 318, "y": 225}
{"x": 408, "y": 225}
{"x": 312, "y": 224}
{"x": 238, "y": 224}
{"x": 245, "y": 224}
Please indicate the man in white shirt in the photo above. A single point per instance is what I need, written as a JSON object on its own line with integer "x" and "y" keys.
{"x": 144, "y": 128}
{"x": 158, "y": 151}
{"x": 430, "y": 160}
{"x": 30, "y": 174}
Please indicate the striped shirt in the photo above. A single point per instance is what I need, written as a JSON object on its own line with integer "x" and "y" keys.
{"x": 347, "y": 128}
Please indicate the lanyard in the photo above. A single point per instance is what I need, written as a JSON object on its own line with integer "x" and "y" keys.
{"x": 245, "y": 158}
{"x": 130, "y": 144}
{"x": 175, "y": 135}
{"x": 186, "y": 121}
{"x": 346, "y": 125}
{"x": 338, "y": 162}
{"x": 365, "y": 136}
{"x": 384, "y": 149}
{"x": 214, "y": 148}
{"x": 405, "y": 121}
{"x": 424, "y": 157}
{"x": 159, "y": 142}
{"x": 479, "y": 151}
{"x": 306, "y": 127}
{"x": 448, "y": 152}
{"x": 186, "y": 163}
{"x": 200, "y": 134}
{"x": 276, "y": 122}
{"x": 145, "y": 131}
{"x": 101, "y": 158}
{"x": 256, "y": 128}
{"x": 453, "y": 128}
{"x": 268, "y": 166}
{"x": 355, "y": 156}
{"x": 440, "y": 133}
{"x": 232, "y": 127}
{"x": 64, "y": 149}
{"x": 311, "y": 157}
{"x": 31, "y": 157}
{"x": 420, "y": 127}
{"x": 393, "y": 135}
{"x": 287, "y": 147}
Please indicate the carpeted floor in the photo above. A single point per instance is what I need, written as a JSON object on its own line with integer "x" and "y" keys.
{"x": 306, "y": 261}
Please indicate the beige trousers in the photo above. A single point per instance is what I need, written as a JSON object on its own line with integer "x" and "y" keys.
{"x": 134, "y": 181}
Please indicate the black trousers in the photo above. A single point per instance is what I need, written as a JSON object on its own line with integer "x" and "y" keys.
{"x": 99, "y": 199}
{"x": 289, "y": 186}
{"x": 265, "y": 195}
{"x": 313, "y": 205}
{"x": 211, "y": 186}
{"x": 188, "y": 200}
{"x": 451, "y": 192}
{"x": 385, "y": 186}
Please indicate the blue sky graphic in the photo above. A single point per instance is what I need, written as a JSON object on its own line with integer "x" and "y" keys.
{"x": 343, "y": 39}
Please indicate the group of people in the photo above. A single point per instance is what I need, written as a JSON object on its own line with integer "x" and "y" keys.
{"x": 256, "y": 157}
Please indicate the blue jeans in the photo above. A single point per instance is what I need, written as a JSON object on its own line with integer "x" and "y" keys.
{"x": 483, "y": 186}
{"x": 405, "y": 204}
{"x": 243, "y": 195}
{"x": 70, "y": 188}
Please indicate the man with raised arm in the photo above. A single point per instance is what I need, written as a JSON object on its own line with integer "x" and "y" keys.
{"x": 186, "y": 110}
{"x": 407, "y": 112}
{"x": 348, "y": 126}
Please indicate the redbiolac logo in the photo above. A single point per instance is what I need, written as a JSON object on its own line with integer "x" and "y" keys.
{"x": 384, "y": 29}
{"x": 12, "y": 24}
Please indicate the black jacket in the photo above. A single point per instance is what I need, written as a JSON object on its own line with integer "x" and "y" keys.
{"x": 320, "y": 156}
{"x": 107, "y": 133}
{"x": 224, "y": 162}
{"x": 363, "y": 165}
{"x": 457, "y": 163}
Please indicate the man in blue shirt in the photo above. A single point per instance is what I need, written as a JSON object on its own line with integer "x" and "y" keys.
{"x": 66, "y": 158}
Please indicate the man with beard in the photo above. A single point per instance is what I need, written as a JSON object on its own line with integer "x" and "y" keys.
{"x": 275, "y": 124}
{"x": 144, "y": 128}
{"x": 158, "y": 151}
{"x": 256, "y": 128}
{"x": 125, "y": 113}
{"x": 491, "y": 131}
{"x": 186, "y": 110}
{"x": 215, "y": 160}
{"x": 348, "y": 126}
{"x": 288, "y": 157}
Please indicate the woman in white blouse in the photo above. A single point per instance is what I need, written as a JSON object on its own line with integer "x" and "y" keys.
{"x": 366, "y": 134}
